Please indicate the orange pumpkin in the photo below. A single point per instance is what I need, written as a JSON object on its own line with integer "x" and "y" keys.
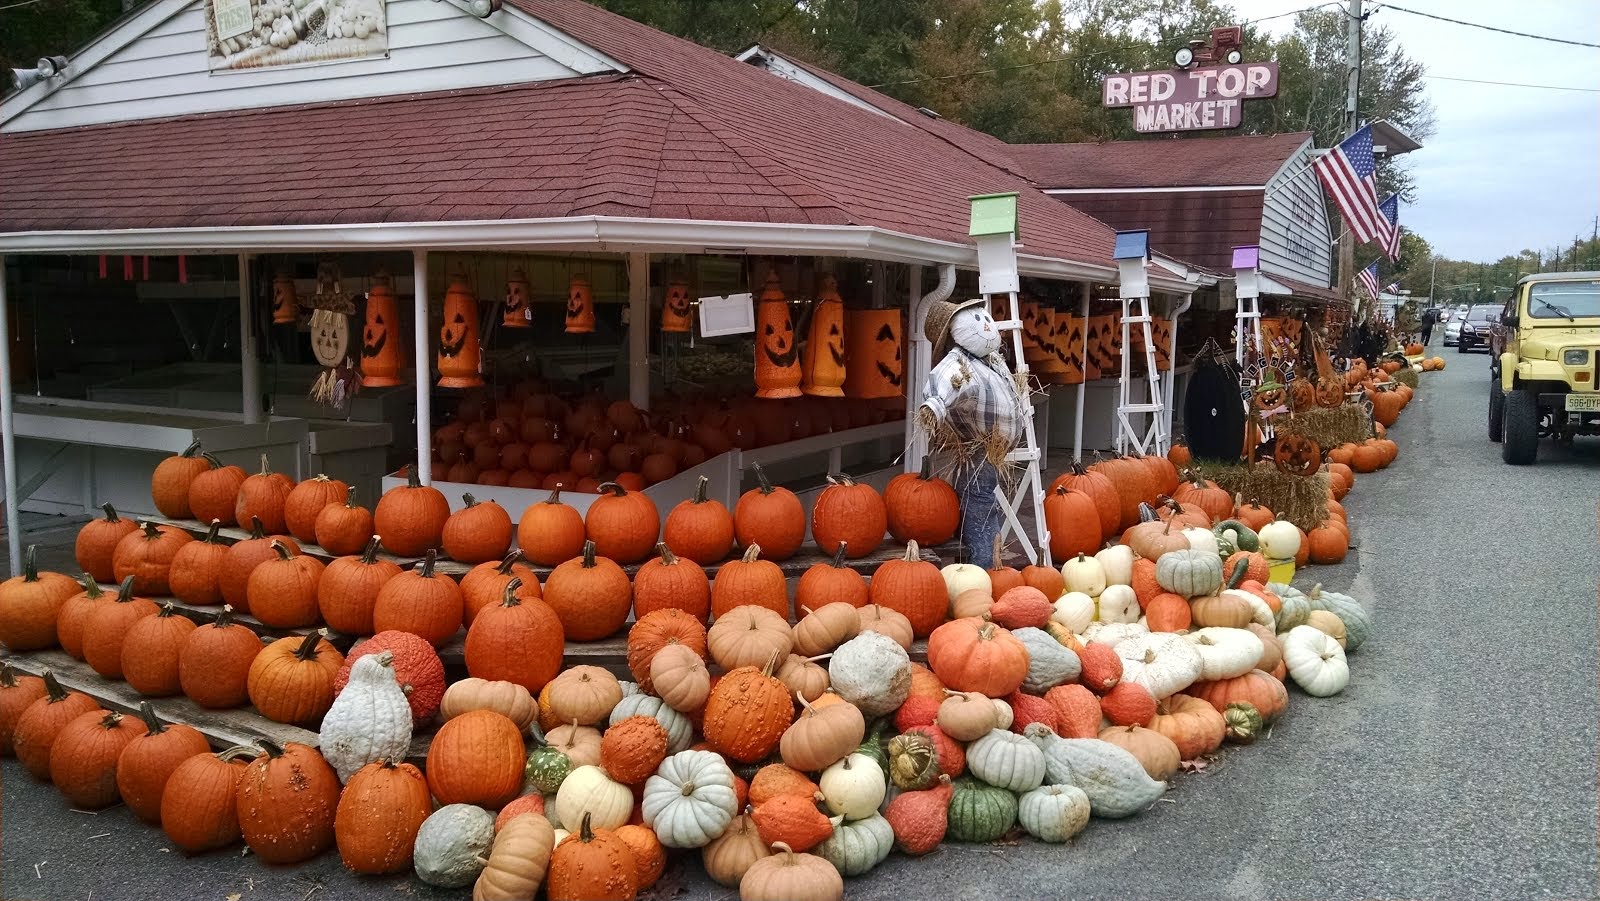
{"x": 381, "y": 345}
{"x": 973, "y": 655}
{"x": 873, "y": 341}
{"x": 824, "y": 359}
{"x": 825, "y": 583}
{"x": 851, "y": 513}
{"x": 478, "y": 532}
{"x": 580, "y": 306}
{"x": 699, "y": 529}
{"x": 97, "y": 542}
{"x": 550, "y": 533}
{"x": 750, "y": 580}
{"x": 669, "y": 583}
{"x": 169, "y": 484}
{"x": 623, "y": 525}
{"x": 747, "y": 713}
{"x": 590, "y": 594}
{"x": 30, "y": 603}
{"x": 411, "y": 517}
{"x": 772, "y": 517}
{"x": 912, "y": 587}
{"x": 777, "y": 352}
{"x": 1074, "y": 523}
{"x": 264, "y": 496}
{"x": 519, "y": 640}
{"x": 425, "y": 603}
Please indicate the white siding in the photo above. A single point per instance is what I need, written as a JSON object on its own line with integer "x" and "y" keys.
{"x": 433, "y": 45}
{"x": 1295, "y": 238}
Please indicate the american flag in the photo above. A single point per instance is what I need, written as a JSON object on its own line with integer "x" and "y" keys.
{"x": 1348, "y": 171}
{"x": 1369, "y": 280}
{"x": 1390, "y": 239}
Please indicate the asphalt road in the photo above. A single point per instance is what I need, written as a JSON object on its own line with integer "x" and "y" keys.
{"x": 1460, "y": 763}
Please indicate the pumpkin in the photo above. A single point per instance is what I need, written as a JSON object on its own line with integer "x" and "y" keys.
{"x": 700, "y": 529}
{"x": 1046, "y": 579}
{"x": 347, "y": 590}
{"x": 1256, "y": 688}
{"x": 1021, "y": 607}
{"x": 146, "y": 555}
{"x": 584, "y": 695}
{"x": 690, "y": 800}
{"x": 41, "y": 723}
{"x": 649, "y": 857}
{"x": 291, "y": 680}
{"x": 821, "y": 736}
{"x": 803, "y": 676}
{"x": 305, "y": 500}
{"x": 825, "y": 628}
{"x": 680, "y": 732}
{"x": 242, "y": 559}
{"x": 150, "y": 652}
{"x": 74, "y": 614}
{"x": 850, "y": 513}
{"x": 97, "y": 541}
{"x": 453, "y": 845}
{"x": 370, "y": 719}
{"x": 921, "y": 507}
{"x": 287, "y": 802}
{"x": 1161, "y": 662}
{"x": 1316, "y": 662}
{"x": 198, "y": 806}
{"x": 550, "y": 532}
{"x": 1007, "y": 760}
{"x": 966, "y": 715}
{"x": 920, "y": 819}
{"x": 1100, "y": 490}
{"x": 508, "y": 699}
{"x": 1074, "y": 523}
{"x": 787, "y": 875}
{"x": 169, "y": 483}
{"x": 1357, "y": 621}
{"x": 195, "y": 574}
{"x": 1128, "y": 704}
{"x": 632, "y": 749}
{"x": 624, "y": 525}
{"x": 978, "y": 603}
{"x": 1154, "y": 751}
{"x": 1189, "y": 573}
{"x": 17, "y": 694}
{"x": 1049, "y": 662}
{"x": 831, "y": 582}
{"x": 1279, "y": 539}
{"x": 791, "y": 820}
{"x": 854, "y": 786}
{"x": 772, "y": 517}
{"x": 476, "y": 758}
{"x": 749, "y": 635}
{"x": 476, "y": 533}
{"x": 106, "y": 629}
{"x": 1225, "y": 652}
{"x": 520, "y": 641}
{"x": 912, "y": 587}
{"x": 83, "y": 757}
{"x": 263, "y": 496}
{"x": 1114, "y": 781}
{"x": 747, "y": 714}
{"x": 871, "y": 671}
{"x": 417, "y": 669}
{"x": 973, "y": 655}
{"x": 670, "y": 582}
{"x": 729, "y": 856}
{"x": 750, "y": 581}
{"x": 282, "y": 592}
{"x": 590, "y": 594}
{"x": 1053, "y": 813}
{"x": 343, "y": 528}
{"x": 411, "y": 517}
{"x": 1192, "y": 724}
{"x": 857, "y": 845}
{"x": 980, "y": 813}
{"x": 420, "y": 601}
{"x": 670, "y": 626}
{"x": 589, "y": 792}
{"x": 886, "y": 622}
{"x": 380, "y": 812}
{"x": 679, "y": 677}
{"x": 214, "y": 492}
{"x": 1102, "y": 667}
{"x": 214, "y": 662}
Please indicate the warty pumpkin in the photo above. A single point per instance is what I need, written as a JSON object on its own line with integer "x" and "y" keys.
{"x": 282, "y": 592}
{"x": 476, "y": 758}
{"x": 670, "y": 582}
{"x": 199, "y": 808}
{"x": 770, "y": 516}
{"x": 592, "y": 865}
{"x": 380, "y": 811}
{"x": 700, "y": 529}
{"x": 169, "y": 483}
{"x": 343, "y": 528}
{"x": 288, "y": 799}
{"x": 151, "y": 650}
{"x": 623, "y": 525}
{"x": 591, "y": 595}
{"x": 347, "y": 590}
{"x": 478, "y": 532}
{"x": 920, "y": 819}
{"x": 214, "y": 662}
{"x": 631, "y": 749}
{"x": 871, "y": 671}
{"x": 97, "y": 542}
{"x": 649, "y": 857}
{"x": 242, "y": 559}
{"x": 149, "y": 760}
{"x": 83, "y": 758}
{"x": 922, "y": 507}
{"x": 747, "y": 713}
{"x": 291, "y": 680}
{"x": 214, "y": 492}
{"x": 420, "y": 601}
{"x": 750, "y": 581}
{"x": 851, "y": 513}
{"x": 411, "y": 517}
{"x": 658, "y": 630}
{"x": 519, "y": 641}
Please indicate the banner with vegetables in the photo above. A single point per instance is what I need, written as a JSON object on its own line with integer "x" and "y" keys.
{"x": 254, "y": 34}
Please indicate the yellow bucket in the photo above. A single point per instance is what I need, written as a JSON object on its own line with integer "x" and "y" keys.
{"x": 1281, "y": 570}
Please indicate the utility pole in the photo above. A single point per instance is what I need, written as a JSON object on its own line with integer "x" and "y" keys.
{"x": 1352, "y": 61}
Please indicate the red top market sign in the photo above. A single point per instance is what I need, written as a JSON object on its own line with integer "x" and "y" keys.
{"x": 1190, "y": 99}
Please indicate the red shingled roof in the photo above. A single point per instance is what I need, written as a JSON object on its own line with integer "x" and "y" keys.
{"x": 1159, "y": 162}
{"x": 1199, "y": 227}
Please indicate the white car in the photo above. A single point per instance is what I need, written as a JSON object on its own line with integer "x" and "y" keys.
{"x": 1452, "y": 330}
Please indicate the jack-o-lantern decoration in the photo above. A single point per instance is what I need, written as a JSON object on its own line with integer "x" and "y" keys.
{"x": 1271, "y": 394}
{"x": 823, "y": 361}
{"x": 519, "y": 302}
{"x": 1161, "y": 334}
{"x": 285, "y": 302}
{"x": 459, "y": 354}
{"x": 1111, "y": 336}
{"x": 877, "y": 358}
{"x": 580, "y": 306}
{"x": 1330, "y": 393}
{"x": 1034, "y": 327}
{"x": 675, "y": 306}
{"x": 1302, "y": 395}
{"x": 1070, "y": 350}
{"x": 1052, "y": 363}
{"x": 1296, "y": 455}
{"x": 777, "y": 355}
{"x": 1092, "y": 340}
{"x": 381, "y": 345}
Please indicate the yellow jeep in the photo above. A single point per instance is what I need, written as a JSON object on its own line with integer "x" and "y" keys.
{"x": 1543, "y": 358}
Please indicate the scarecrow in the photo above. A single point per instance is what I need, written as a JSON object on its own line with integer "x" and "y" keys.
{"x": 973, "y": 408}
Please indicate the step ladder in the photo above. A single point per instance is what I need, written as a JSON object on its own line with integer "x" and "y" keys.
{"x": 1153, "y": 438}
{"x": 1247, "y": 322}
{"x": 1030, "y": 488}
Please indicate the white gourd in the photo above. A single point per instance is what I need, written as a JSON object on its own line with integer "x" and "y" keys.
{"x": 1112, "y": 778}
{"x": 1084, "y": 573}
{"x": 560, "y": 836}
{"x": 1053, "y": 813}
{"x": 857, "y": 846}
{"x": 1118, "y": 604}
{"x": 1280, "y": 540}
{"x": 680, "y": 732}
{"x": 854, "y": 787}
{"x": 588, "y": 790}
{"x": 1007, "y": 760}
{"x": 872, "y": 672}
{"x": 1050, "y": 663}
{"x": 1112, "y": 633}
{"x": 1163, "y": 662}
{"x": 1117, "y": 561}
{"x": 1259, "y": 611}
{"x": 453, "y": 845}
{"x": 1075, "y": 610}
{"x": 1225, "y": 653}
{"x": 690, "y": 800}
{"x": 629, "y": 689}
{"x": 1201, "y": 539}
{"x": 959, "y": 577}
{"x": 370, "y": 720}
{"x": 1316, "y": 662}
{"x": 1003, "y": 714}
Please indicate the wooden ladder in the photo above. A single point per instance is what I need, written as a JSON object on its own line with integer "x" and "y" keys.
{"x": 1030, "y": 487}
{"x": 1151, "y": 439}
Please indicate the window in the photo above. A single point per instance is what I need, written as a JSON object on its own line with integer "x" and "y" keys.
{"x": 1556, "y": 300}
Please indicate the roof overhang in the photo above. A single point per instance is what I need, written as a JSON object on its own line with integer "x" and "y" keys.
{"x": 1392, "y": 138}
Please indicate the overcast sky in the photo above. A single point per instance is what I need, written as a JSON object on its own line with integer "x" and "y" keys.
{"x": 1509, "y": 168}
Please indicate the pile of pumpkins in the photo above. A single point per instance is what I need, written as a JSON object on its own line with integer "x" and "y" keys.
{"x": 1427, "y": 364}
{"x": 533, "y": 438}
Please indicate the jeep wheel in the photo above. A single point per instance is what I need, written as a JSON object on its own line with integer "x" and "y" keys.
{"x": 1521, "y": 432}
{"x": 1497, "y": 409}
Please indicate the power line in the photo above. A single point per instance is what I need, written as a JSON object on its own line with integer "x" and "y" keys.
{"x": 23, "y": 3}
{"x": 1514, "y": 84}
{"x": 1520, "y": 34}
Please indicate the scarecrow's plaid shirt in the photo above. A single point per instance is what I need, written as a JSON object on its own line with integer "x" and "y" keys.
{"x": 976, "y": 397}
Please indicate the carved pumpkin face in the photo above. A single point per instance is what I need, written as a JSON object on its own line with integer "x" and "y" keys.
{"x": 1330, "y": 393}
{"x": 518, "y": 312}
{"x": 1302, "y": 396}
{"x": 1268, "y": 399}
{"x": 580, "y": 306}
{"x": 1297, "y": 455}
{"x": 380, "y": 342}
{"x": 675, "y": 306}
{"x": 1161, "y": 334}
{"x": 330, "y": 337}
{"x": 459, "y": 354}
{"x": 1101, "y": 344}
{"x": 1070, "y": 353}
{"x": 285, "y": 303}
{"x": 877, "y": 365}
{"x": 824, "y": 357}
{"x": 777, "y": 357}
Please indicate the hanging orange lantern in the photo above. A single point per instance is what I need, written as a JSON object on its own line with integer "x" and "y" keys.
{"x": 1036, "y": 327}
{"x": 777, "y": 357}
{"x": 519, "y": 309}
{"x": 285, "y": 302}
{"x": 381, "y": 344}
{"x": 1099, "y": 342}
{"x": 460, "y": 360}
{"x": 873, "y": 339}
{"x": 1161, "y": 334}
{"x": 1049, "y": 361}
{"x": 823, "y": 360}
{"x": 675, "y": 306}
{"x": 580, "y": 306}
{"x": 1071, "y": 350}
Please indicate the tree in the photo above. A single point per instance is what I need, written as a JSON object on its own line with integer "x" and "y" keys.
{"x": 49, "y": 28}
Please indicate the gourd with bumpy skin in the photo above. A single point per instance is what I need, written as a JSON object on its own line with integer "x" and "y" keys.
{"x": 856, "y": 846}
{"x": 1189, "y": 573}
{"x": 691, "y": 800}
{"x": 872, "y": 672}
{"x": 1316, "y": 662}
{"x": 1113, "y": 779}
{"x": 1357, "y": 621}
{"x": 1050, "y": 663}
{"x": 546, "y": 768}
{"x": 1225, "y": 653}
{"x": 1163, "y": 662}
{"x": 980, "y": 813}
{"x": 680, "y": 732}
{"x": 1053, "y": 813}
{"x": 1007, "y": 760}
{"x": 453, "y": 845}
{"x": 369, "y": 721}
{"x": 854, "y": 787}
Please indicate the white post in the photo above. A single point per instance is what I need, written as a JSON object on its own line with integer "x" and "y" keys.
{"x": 639, "y": 330}
{"x": 8, "y": 434}
{"x": 249, "y": 365}
{"x": 1083, "y": 386}
{"x": 424, "y": 412}
{"x": 913, "y": 368}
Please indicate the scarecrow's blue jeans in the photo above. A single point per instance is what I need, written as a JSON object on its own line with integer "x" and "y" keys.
{"x": 980, "y": 512}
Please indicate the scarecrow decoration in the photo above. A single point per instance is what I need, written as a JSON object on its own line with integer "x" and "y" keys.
{"x": 381, "y": 345}
{"x": 580, "y": 306}
{"x": 777, "y": 355}
{"x": 331, "y": 309}
{"x": 519, "y": 305}
{"x": 823, "y": 360}
{"x": 973, "y": 409}
{"x": 675, "y": 306}
{"x": 460, "y": 357}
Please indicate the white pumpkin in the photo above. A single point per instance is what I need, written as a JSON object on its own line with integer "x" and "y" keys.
{"x": 1113, "y": 633}
{"x": 1280, "y": 540}
{"x": 1112, "y": 778}
{"x": 1003, "y": 714}
{"x": 1201, "y": 539}
{"x": 370, "y": 720}
{"x": 1225, "y": 653}
{"x": 1050, "y": 663}
{"x": 560, "y": 836}
{"x": 857, "y": 846}
{"x": 1117, "y": 604}
{"x": 690, "y": 800}
{"x": 959, "y": 577}
{"x": 872, "y": 672}
{"x": 453, "y": 845}
{"x": 1316, "y": 662}
{"x": 588, "y": 790}
{"x": 1259, "y": 611}
{"x": 1053, "y": 813}
{"x": 680, "y": 732}
{"x": 854, "y": 787}
{"x": 1163, "y": 662}
{"x": 1084, "y": 573}
{"x": 1117, "y": 561}
{"x": 1007, "y": 760}
{"x": 1075, "y": 610}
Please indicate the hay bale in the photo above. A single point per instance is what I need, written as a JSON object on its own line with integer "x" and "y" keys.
{"x": 1328, "y": 427}
{"x": 1303, "y": 500}
{"x": 1406, "y": 376}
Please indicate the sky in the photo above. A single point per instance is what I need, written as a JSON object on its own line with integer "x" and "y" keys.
{"x": 1509, "y": 168}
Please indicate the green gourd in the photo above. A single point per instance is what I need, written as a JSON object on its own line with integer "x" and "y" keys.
{"x": 1233, "y": 536}
{"x": 1294, "y": 610}
{"x": 979, "y": 812}
{"x": 857, "y": 846}
{"x": 1357, "y": 621}
{"x": 1113, "y": 778}
{"x": 546, "y": 769}
{"x": 873, "y": 745}
{"x": 1050, "y": 663}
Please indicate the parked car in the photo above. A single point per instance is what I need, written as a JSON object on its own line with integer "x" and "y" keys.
{"x": 1543, "y": 353}
{"x": 1475, "y": 328}
{"x": 1452, "y": 330}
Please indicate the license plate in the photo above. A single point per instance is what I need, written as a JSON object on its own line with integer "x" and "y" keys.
{"x": 1583, "y": 403}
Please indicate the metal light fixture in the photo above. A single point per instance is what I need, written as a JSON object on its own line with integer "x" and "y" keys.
{"x": 48, "y": 67}
{"x": 484, "y": 8}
